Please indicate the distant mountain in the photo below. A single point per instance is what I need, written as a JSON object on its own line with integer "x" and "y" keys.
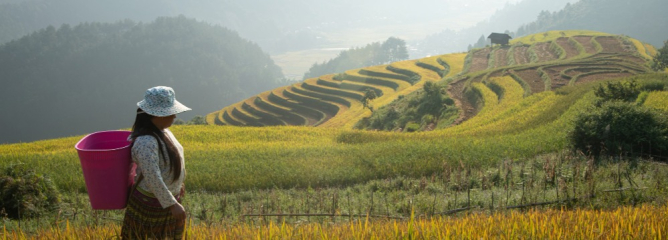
{"x": 509, "y": 18}
{"x": 645, "y": 20}
{"x": 75, "y": 80}
{"x": 277, "y": 25}
{"x": 392, "y": 50}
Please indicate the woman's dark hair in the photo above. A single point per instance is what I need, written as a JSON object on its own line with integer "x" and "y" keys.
{"x": 144, "y": 126}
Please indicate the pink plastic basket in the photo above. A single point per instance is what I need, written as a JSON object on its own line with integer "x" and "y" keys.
{"x": 107, "y": 168}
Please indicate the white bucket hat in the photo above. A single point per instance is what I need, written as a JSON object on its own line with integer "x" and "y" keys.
{"x": 161, "y": 101}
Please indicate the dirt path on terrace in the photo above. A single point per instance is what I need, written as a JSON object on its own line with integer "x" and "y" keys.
{"x": 634, "y": 59}
{"x": 585, "y": 41}
{"x": 611, "y": 44}
{"x": 602, "y": 76}
{"x": 520, "y": 55}
{"x": 571, "y": 51}
{"x": 556, "y": 80}
{"x": 500, "y": 57}
{"x": 531, "y": 77}
{"x": 544, "y": 53}
{"x": 456, "y": 91}
{"x": 480, "y": 60}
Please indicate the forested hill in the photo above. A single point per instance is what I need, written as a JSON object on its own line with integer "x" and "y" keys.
{"x": 392, "y": 50}
{"x": 645, "y": 20}
{"x": 78, "y": 79}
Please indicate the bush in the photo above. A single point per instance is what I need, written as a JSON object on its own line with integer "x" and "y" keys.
{"x": 624, "y": 91}
{"x": 620, "y": 128}
{"x": 641, "y": 98}
{"x": 197, "y": 120}
{"x": 412, "y": 127}
{"x": 26, "y": 194}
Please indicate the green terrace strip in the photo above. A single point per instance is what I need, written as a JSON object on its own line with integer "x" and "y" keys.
{"x": 357, "y": 86}
{"x": 433, "y": 63}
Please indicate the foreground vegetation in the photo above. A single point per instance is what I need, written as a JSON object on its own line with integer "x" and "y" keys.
{"x": 542, "y": 184}
{"x": 644, "y": 222}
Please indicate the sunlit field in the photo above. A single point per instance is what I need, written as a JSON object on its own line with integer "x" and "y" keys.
{"x": 503, "y": 173}
{"x": 643, "y": 222}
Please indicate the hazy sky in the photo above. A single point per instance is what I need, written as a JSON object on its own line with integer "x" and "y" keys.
{"x": 412, "y": 23}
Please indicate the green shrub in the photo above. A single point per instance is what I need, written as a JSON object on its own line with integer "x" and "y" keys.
{"x": 26, "y": 194}
{"x": 427, "y": 119}
{"x": 620, "y": 128}
{"x": 412, "y": 127}
{"x": 339, "y": 76}
{"x": 197, "y": 120}
{"x": 624, "y": 91}
{"x": 641, "y": 98}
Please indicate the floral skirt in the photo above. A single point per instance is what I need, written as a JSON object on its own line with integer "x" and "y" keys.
{"x": 146, "y": 219}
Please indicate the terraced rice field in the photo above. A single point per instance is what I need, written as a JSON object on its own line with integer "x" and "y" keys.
{"x": 538, "y": 63}
{"x": 561, "y": 60}
{"x": 335, "y": 100}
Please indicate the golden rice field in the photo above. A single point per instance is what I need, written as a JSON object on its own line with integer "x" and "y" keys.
{"x": 657, "y": 100}
{"x": 643, "y": 222}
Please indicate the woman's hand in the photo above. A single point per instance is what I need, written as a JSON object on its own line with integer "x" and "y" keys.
{"x": 178, "y": 211}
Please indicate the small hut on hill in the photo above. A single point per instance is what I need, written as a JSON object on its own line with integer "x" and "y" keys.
{"x": 499, "y": 38}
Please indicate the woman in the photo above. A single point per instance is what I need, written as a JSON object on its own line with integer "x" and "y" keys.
{"x": 154, "y": 209}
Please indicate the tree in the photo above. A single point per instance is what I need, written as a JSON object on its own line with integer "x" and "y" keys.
{"x": 369, "y": 95}
{"x": 197, "y": 120}
{"x": 482, "y": 41}
{"x": 394, "y": 49}
{"x": 623, "y": 91}
{"x": 620, "y": 128}
{"x": 660, "y": 62}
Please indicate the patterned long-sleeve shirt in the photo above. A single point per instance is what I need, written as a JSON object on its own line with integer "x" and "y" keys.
{"x": 155, "y": 170}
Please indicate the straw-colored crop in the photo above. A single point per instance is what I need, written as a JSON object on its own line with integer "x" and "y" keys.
{"x": 644, "y": 222}
{"x": 640, "y": 47}
{"x": 657, "y": 100}
{"x": 433, "y": 61}
{"x": 455, "y": 61}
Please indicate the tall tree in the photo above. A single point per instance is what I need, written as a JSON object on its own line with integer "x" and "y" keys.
{"x": 660, "y": 61}
{"x": 394, "y": 49}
